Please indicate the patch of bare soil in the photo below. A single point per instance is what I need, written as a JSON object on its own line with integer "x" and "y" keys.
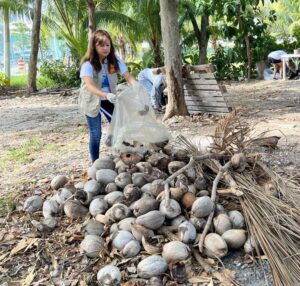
{"x": 45, "y": 135}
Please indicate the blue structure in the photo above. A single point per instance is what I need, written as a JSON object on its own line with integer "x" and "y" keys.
{"x": 20, "y": 46}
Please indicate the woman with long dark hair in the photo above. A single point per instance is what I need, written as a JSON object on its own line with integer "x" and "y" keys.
{"x": 99, "y": 76}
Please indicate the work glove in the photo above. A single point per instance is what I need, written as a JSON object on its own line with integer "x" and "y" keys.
{"x": 111, "y": 97}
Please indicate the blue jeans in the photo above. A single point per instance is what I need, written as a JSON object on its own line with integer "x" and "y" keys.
{"x": 94, "y": 124}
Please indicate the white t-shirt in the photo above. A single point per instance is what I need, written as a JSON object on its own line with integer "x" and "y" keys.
{"x": 88, "y": 70}
{"x": 276, "y": 55}
{"x": 147, "y": 74}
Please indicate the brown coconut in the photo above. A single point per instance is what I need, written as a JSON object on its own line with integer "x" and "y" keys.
{"x": 188, "y": 200}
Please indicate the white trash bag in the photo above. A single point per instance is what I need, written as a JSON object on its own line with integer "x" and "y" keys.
{"x": 133, "y": 122}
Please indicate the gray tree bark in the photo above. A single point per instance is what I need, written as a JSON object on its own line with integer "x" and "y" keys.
{"x": 92, "y": 16}
{"x": 170, "y": 36}
{"x": 35, "y": 41}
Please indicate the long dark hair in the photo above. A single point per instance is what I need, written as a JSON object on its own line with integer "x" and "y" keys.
{"x": 91, "y": 54}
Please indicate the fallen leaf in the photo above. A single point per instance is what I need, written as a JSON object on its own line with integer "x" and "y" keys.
{"x": 211, "y": 283}
{"x": 82, "y": 283}
{"x": 200, "y": 279}
{"x": 29, "y": 278}
{"x": 24, "y": 243}
{"x": 2, "y": 258}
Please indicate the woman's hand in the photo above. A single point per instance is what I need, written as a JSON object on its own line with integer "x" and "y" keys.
{"x": 111, "y": 97}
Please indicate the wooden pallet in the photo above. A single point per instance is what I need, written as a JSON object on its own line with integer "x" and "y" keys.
{"x": 201, "y": 91}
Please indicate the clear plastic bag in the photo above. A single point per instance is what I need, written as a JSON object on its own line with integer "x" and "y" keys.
{"x": 133, "y": 122}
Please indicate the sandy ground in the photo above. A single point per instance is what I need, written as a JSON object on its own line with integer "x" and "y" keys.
{"x": 60, "y": 134}
{"x": 61, "y": 130}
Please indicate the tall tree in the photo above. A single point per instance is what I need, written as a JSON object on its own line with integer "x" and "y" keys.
{"x": 92, "y": 16}
{"x": 68, "y": 20}
{"x": 202, "y": 35}
{"x": 35, "y": 41}
{"x": 6, "y": 14}
{"x": 170, "y": 36}
{"x": 7, "y": 6}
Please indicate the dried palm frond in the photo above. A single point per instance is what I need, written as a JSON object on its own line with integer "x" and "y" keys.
{"x": 230, "y": 133}
{"x": 289, "y": 190}
{"x": 275, "y": 225}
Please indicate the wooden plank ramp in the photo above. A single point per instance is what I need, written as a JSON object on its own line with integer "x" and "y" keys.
{"x": 202, "y": 92}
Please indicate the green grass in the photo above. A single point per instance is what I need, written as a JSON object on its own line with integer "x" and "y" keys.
{"x": 22, "y": 154}
{"x": 20, "y": 81}
{"x": 52, "y": 147}
{"x": 7, "y": 203}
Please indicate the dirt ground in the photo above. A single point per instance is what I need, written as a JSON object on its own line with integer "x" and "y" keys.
{"x": 54, "y": 137}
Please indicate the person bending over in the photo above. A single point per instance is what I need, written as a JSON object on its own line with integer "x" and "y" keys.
{"x": 153, "y": 79}
{"x": 275, "y": 58}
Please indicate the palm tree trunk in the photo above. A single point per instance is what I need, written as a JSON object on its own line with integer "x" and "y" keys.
{"x": 35, "y": 40}
{"x": 170, "y": 35}
{"x": 92, "y": 16}
{"x": 6, "y": 44}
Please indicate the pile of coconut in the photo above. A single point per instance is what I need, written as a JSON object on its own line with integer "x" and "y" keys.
{"x": 154, "y": 207}
{"x": 150, "y": 214}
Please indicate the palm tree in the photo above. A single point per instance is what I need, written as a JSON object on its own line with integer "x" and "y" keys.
{"x": 70, "y": 20}
{"x": 7, "y": 6}
{"x": 35, "y": 45}
{"x": 147, "y": 14}
{"x": 67, "y": 18}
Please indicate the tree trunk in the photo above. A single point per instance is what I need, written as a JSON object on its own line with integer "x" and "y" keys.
{"x": 170, "y": 35}
{"x": 122, "y": 48}
{"x": 195, "y": 26}
{"x": 156, "y": 50}
{"x": 6, "y": 44}
{"x": 204, "y": 39}
{"x": 35, "y": 41}
{"x": 92, "y": 16}
{"x": 248, "y": 57}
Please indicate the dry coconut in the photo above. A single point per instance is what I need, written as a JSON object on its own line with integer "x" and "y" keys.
{"x": 109, "y": 275}
{"x": 202, "y": 207}
{"x": 175, "y": 251}
{"x": 222, "y": 223}
{"x": 237, "y": 219}
{"x": 153, "y": 265}
{"x": 92, "y": 245}
{"x": 33, "y": 204}
{"x": 215, "y": 246}
{"x": 235, "y": 238}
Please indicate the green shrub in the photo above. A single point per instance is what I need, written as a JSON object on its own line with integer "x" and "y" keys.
{"x": 61, "y": 75}
{"x": 190, "y": 55}
{"x": 227, "y": 63}
{"x": 3, "y": 80}
{"x": 45, "y": 82}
